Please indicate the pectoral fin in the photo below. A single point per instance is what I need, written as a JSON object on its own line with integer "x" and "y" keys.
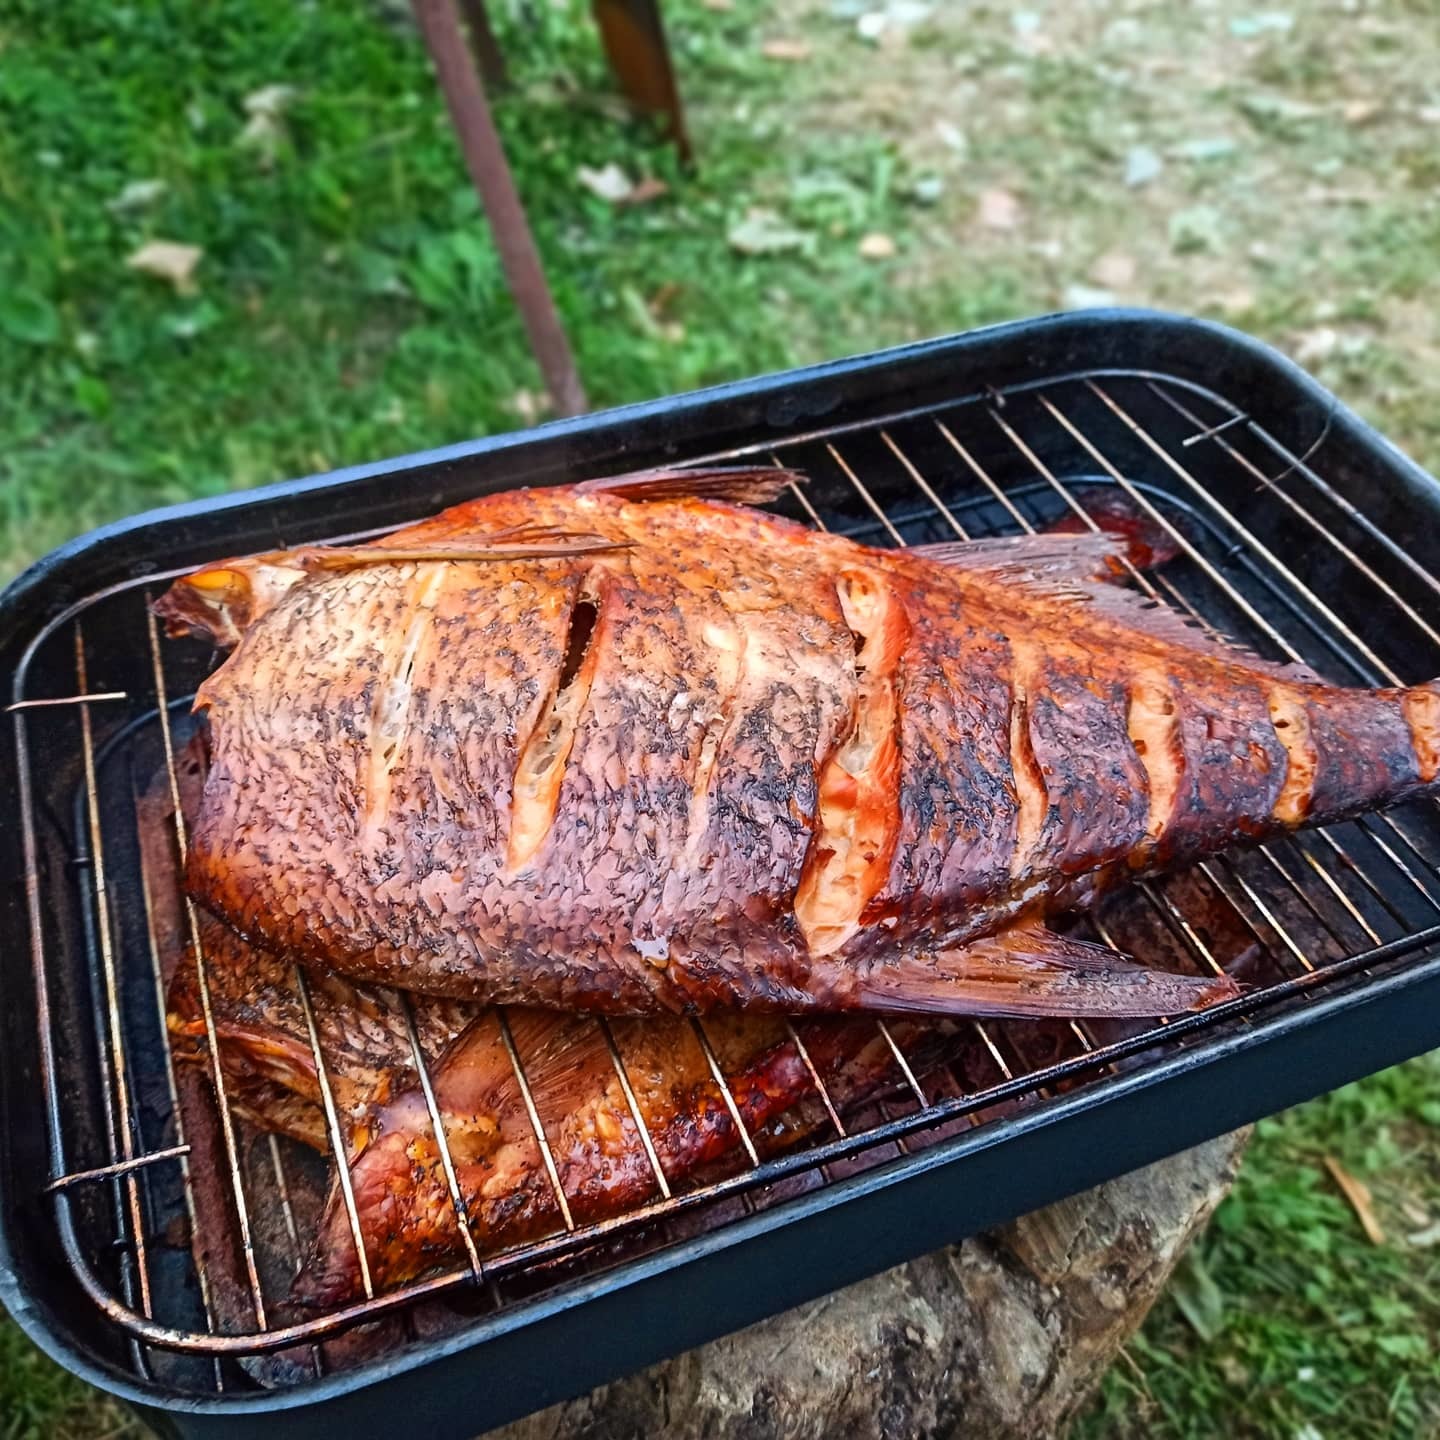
{"x": 1031, "y": 971}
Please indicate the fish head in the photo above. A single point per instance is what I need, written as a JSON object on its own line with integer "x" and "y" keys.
{"x": 219, "y": 602}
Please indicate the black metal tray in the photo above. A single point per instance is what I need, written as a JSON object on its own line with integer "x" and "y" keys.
{"x": 1307, "y": 535}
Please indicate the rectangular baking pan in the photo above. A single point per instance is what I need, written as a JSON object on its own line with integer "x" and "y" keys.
{"x": 1315, "y": 535}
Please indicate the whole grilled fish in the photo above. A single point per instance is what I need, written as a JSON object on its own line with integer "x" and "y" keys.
{"x": 631, "y": 745}
{"x": 264, "y": 1040}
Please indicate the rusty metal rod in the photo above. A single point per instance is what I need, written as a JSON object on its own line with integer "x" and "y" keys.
{"x": 484, "y": 46}
{"x": 634, "y": 38}
{"x": 485, "y": 159}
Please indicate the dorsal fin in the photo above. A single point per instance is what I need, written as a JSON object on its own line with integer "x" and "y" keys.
{"x": 1049, "y": 559}
{"x": 1083, "y": 572}
{"x": 740, "y": 484}
{"x": 318, "y": 558}
{"x": 1144, "y": 615}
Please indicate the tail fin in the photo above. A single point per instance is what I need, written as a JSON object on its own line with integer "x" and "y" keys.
{"x": 1356, "y": 750}
{"x": 1422, "y": 713}
{"x": 1030, "y": 971}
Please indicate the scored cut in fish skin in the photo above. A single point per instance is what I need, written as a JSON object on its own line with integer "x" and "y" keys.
{"x": 682, "y": 754}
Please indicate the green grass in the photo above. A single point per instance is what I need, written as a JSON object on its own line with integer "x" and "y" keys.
{"x": 1296, "y": 1319}
{"x": 40, "y": 1401}
{"x": 349, "y": 305}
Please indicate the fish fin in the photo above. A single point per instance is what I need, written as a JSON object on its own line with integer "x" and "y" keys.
{"x": 1146, "y": 615}
{"x": 1030, "y": 971}
{"x": 557, "y": 545}
{"x": 1080, "y": 571}
{"x": 1049, "y": 558}
{"x": 742, "y": 485}
{"x": 1101, "y": 504}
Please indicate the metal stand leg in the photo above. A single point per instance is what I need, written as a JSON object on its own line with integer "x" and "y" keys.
{"x": 484, "y": 46}
{"x": 640, "y": 57}
{"x": 485, "y": 159}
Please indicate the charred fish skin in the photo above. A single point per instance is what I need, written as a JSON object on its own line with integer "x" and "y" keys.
{"x": 704, "y": 757}
{"x": 264, "y": 1038}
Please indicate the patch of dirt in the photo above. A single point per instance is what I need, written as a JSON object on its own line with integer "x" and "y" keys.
{"x": 1271, "y": 167}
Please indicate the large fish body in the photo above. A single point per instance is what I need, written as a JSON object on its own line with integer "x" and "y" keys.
{"x": 632, "y": 745}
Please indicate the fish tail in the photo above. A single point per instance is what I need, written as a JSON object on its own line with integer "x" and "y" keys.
{"x": 1349, "y": 751}
{"x": 1421, "y": 705}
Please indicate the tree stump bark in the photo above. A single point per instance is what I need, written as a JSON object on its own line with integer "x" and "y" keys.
{"x": 1001, "y": 1337}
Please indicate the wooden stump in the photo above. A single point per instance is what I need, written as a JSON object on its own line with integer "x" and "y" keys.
{"x": 1006, "y": 1335}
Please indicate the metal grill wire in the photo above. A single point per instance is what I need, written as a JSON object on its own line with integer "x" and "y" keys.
{"x": 1345, "y": 896}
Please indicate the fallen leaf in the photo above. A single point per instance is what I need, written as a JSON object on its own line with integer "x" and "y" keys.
{"x": 1142, "y": 165}
{"x": 786, "y": 50}
{"x": 876, "y": 246}
{"x": 265, "y": 128}
{"x": 999, "y": 210}
{"x": 1115, "y": 271}
{"x": 1424, "y": 1239}
{"x": 650, "y": 188}
{"x": 168, "y": 260}
{"x": 273, "y": 100}
{"x": 1266, "y": 22}
{"x": 763, "y": 232}
{"x": 1360, "y": 112}
{"x": 609, "y": 182}
{"x": 136, "y": 196}
{"x": 1236, "y": 302}
{"x": 1085, "y": 297}
{"x": 1312, "y": 348}
{"x": 527, "y": 405}
{"x": 1358, "y": 1194}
